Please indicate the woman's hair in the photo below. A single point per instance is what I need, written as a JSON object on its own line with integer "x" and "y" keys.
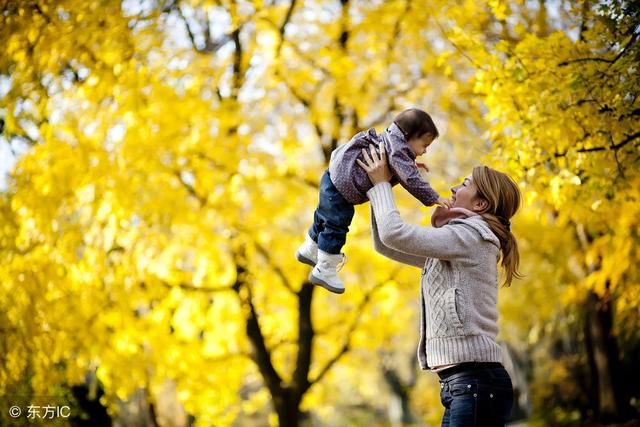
{"x": 503, "y": 200}
{"x": 414, "y": 122}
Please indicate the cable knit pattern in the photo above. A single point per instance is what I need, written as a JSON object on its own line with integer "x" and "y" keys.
{"x": 436, "y": 294}
{"x": 459, "y": 284}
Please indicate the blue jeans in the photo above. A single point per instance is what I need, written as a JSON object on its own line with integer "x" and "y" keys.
{"x": 476, "y": 394}
{"x": 332, "y": 218}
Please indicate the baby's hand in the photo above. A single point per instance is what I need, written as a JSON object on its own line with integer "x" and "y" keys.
{"x": 445, "y": 203}
{"x": 422, "y": 166}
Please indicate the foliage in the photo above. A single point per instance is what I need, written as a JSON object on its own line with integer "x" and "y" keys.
{"x": 167, "y": 155}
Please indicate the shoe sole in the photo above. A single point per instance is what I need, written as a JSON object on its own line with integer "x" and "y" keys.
{"x": 303, "y": 259}
{"x": 319, "y": 282}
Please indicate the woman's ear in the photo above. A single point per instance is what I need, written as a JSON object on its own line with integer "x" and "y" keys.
{"x": 480, "y": 205}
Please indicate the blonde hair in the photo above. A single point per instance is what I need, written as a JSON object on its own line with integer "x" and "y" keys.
{"x": 503, "y": 199}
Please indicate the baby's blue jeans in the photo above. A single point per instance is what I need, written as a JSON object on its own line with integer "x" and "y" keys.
{"x": 332, "y": 218}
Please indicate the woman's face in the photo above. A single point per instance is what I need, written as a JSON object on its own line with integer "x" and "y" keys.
{"x": 465, "y": 196}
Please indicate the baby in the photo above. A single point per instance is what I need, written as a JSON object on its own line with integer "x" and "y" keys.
{"x": 345, "y": 184}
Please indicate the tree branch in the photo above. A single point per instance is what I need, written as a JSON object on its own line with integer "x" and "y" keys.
{"x": 306, "y": 334}
{"x": 276, "y": 268}
{"x": 260, "y": 354}
{"x": 632, "y": 40}
{"x": 595, "y": 59}
{"x": 293, "y": 46}
{"x": 283, "y": 26}
{"x": 455, "y": 45}
{"x": 190, "y": 33}
{"x": 308, "y": 182}
{"x": 238, "y": 76}
{"x": 345, "y": 346}
{"x": 305, "y": 103}
{"x": 613, "y": 147}
{"x": 210, "y": 46}
{"x": 202, "y": 200}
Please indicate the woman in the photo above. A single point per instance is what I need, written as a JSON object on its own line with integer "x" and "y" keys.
{"x": 459, "y": 285}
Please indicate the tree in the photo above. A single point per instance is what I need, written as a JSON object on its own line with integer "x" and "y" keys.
{"x": 563, "y": 106}
{"x": 166, "y": 181}
{"x": 166, "y": 163}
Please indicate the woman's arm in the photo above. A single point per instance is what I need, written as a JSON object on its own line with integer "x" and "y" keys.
{"x": 399, "y": 256}
{"x": 448, "y": 242}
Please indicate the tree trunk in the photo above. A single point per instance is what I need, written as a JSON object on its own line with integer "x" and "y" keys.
{"x": 612, "y": 400}
{"x": 591, "y": 361}
{"x": 288, "y": 409}
{"x": 400, "y": 394}
{"x": 400, "y": 414}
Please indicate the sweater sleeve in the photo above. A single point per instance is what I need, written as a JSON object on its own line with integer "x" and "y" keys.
{"x": 399, "y": 256}
{"x": 447, "y": 243}
{"x": 405, "y": 169}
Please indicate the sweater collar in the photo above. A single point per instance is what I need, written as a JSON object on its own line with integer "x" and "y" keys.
{"x": 480, "y": 225}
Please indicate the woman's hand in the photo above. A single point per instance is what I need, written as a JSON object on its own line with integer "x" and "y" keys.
{"x": 375, "y": 164}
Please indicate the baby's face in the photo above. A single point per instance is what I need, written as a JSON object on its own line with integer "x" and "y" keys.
{"x": 419, "y": 144}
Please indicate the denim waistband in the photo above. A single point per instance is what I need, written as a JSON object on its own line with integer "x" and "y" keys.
{"x": 467, "y": 368}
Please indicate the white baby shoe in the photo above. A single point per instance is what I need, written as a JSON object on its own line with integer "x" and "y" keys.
{"x": 307, "y": 253}
{"x": 325, "y": 273}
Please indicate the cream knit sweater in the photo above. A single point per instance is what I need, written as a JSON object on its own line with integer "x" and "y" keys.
{"x": 459, "y": 283}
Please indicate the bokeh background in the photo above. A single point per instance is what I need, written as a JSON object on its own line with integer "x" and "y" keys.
{"x": 159, "y": 166}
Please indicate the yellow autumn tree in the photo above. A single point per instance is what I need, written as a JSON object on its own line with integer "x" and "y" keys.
{"x": 168, "y": 167}
{"x": 167, "y": 155}
{"x": 561, "y": 99}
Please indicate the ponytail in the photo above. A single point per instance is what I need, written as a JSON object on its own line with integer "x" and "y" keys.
{"x": 503, "y": 200}
{"x": 509, "y": 253}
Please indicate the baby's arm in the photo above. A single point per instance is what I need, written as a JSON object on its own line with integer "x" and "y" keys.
{"x": 442, "y": 201}
{"x": 404, "y": 167}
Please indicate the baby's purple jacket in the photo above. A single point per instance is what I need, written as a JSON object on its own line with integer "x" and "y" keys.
{"x": 353, "y": 182}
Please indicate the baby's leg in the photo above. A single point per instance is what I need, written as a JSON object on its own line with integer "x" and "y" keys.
{"x": 332, "y": 218}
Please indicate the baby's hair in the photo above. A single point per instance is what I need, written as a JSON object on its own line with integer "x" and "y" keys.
{"x": 414, "y": 123}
